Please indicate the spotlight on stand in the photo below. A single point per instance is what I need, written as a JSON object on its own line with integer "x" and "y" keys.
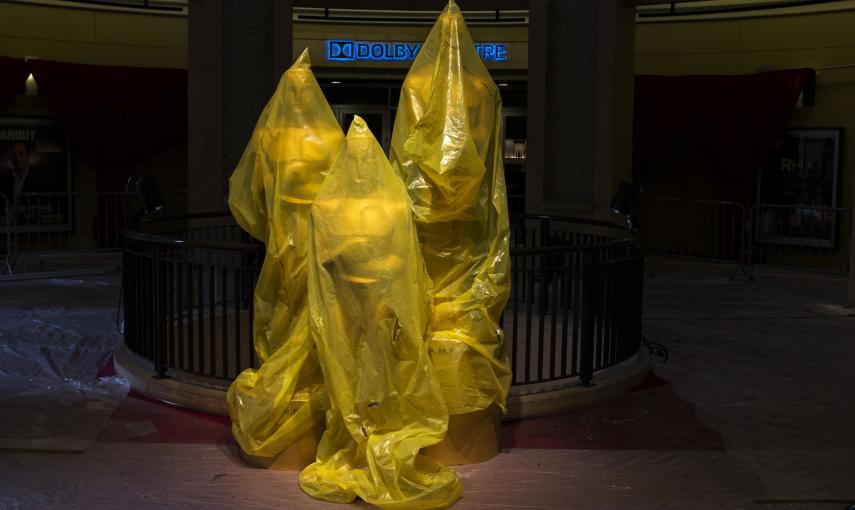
{"x": 149, "y": 199}
{"x": 148, "y": 195}
{"x": 625, "y": 203}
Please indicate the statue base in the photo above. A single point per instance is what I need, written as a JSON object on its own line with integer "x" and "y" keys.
{"x": 300, "y": 454}
{"x": 471, "y": 438}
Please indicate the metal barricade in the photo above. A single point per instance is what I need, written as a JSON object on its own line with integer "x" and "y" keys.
{"x": 69, "y": 222}
{"x": 802, "y": 237}
{"x": 706, "y": 229}
{"x": 8, "y": 238}
{"x": 43, "y": 231}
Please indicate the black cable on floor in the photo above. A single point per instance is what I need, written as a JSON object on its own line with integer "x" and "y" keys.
{"x": 655, "y": 348}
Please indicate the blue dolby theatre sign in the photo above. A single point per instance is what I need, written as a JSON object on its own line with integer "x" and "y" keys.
{"x": 342, "y": 50}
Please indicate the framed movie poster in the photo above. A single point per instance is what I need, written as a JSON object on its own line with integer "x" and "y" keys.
{"x": 35, "y": 175}
{"x": 798, "y": 188}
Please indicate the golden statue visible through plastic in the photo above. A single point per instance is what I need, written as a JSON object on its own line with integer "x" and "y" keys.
{"x": 357, "y": 254}
{"x": 446, "y": 146}
{"x": 369, "y": 310}
{"x": 270, "y": 194}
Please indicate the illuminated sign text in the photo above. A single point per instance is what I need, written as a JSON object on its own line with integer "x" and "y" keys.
{"x": 342, "y": 50}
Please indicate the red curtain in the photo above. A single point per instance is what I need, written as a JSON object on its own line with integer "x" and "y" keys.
{"x": 728, "y": 121}
{"x": 13, "y": 76}
{"x": 655, "y": 115}
{"x": 115, "y": 116}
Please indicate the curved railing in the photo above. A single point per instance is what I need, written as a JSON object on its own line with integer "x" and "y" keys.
{"x": 576, "y": 297}
{"x": 574, "y": 309}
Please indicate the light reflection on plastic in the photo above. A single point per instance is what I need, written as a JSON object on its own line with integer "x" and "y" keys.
{"x": 343, "y": 50}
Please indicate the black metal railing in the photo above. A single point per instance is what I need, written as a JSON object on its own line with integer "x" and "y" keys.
{"x": 576, "y": 297}
{"x": 574, "y": 309}
{"x": 149, "y": 5}
{"x": 188, "y": 291}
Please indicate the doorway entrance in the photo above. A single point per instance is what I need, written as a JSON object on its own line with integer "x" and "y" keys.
{"x": 378, "y": 118}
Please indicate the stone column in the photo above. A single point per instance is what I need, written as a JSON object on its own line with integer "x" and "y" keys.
{"x": 851, "y": 299}
{"x": 581, "y": 67}
{"x": 238, "y": 49}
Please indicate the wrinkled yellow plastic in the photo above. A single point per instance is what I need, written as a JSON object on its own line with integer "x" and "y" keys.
{"x": 369, "y": 310}
{"x": 270, "y": 195}
{"x": 446, "y": 146}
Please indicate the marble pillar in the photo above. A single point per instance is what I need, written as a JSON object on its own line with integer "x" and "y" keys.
{"x": 238, "y": 49}
{"x": 580, "y": 100}
{"x": 851, "y": 299}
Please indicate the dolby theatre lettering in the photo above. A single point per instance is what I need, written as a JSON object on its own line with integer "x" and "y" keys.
{"x": 343, "y": 50}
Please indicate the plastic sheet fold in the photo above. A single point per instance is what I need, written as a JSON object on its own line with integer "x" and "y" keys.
{"x": 369, "y": 309}
{"x": 446, "y": 147}
{"x": 270, "y": 195}
{"x": 55, "y": 335}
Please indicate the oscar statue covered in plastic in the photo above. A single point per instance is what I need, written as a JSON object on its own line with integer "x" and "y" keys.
{"x": 369, "y": 311}
{"x": 377, "y": 307}
{"x": 446, "y": 146}
{"x": 280, "y": 405}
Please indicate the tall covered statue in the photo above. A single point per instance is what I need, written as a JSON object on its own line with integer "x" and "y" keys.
{"x": 270, "y": 195}
{"x": 369, "y": 310}
{"x": 446, "y": 147}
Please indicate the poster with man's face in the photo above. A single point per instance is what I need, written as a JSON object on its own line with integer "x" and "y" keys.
{"x": 34, "y": 174}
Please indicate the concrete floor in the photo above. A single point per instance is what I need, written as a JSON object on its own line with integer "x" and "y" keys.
{"x": 753, "y": 409}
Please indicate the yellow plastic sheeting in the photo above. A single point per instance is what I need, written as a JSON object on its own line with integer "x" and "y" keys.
{"x": 446, "y": 147}
{"x": 270, "y": 194}
{"x": 369, "y": 311}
